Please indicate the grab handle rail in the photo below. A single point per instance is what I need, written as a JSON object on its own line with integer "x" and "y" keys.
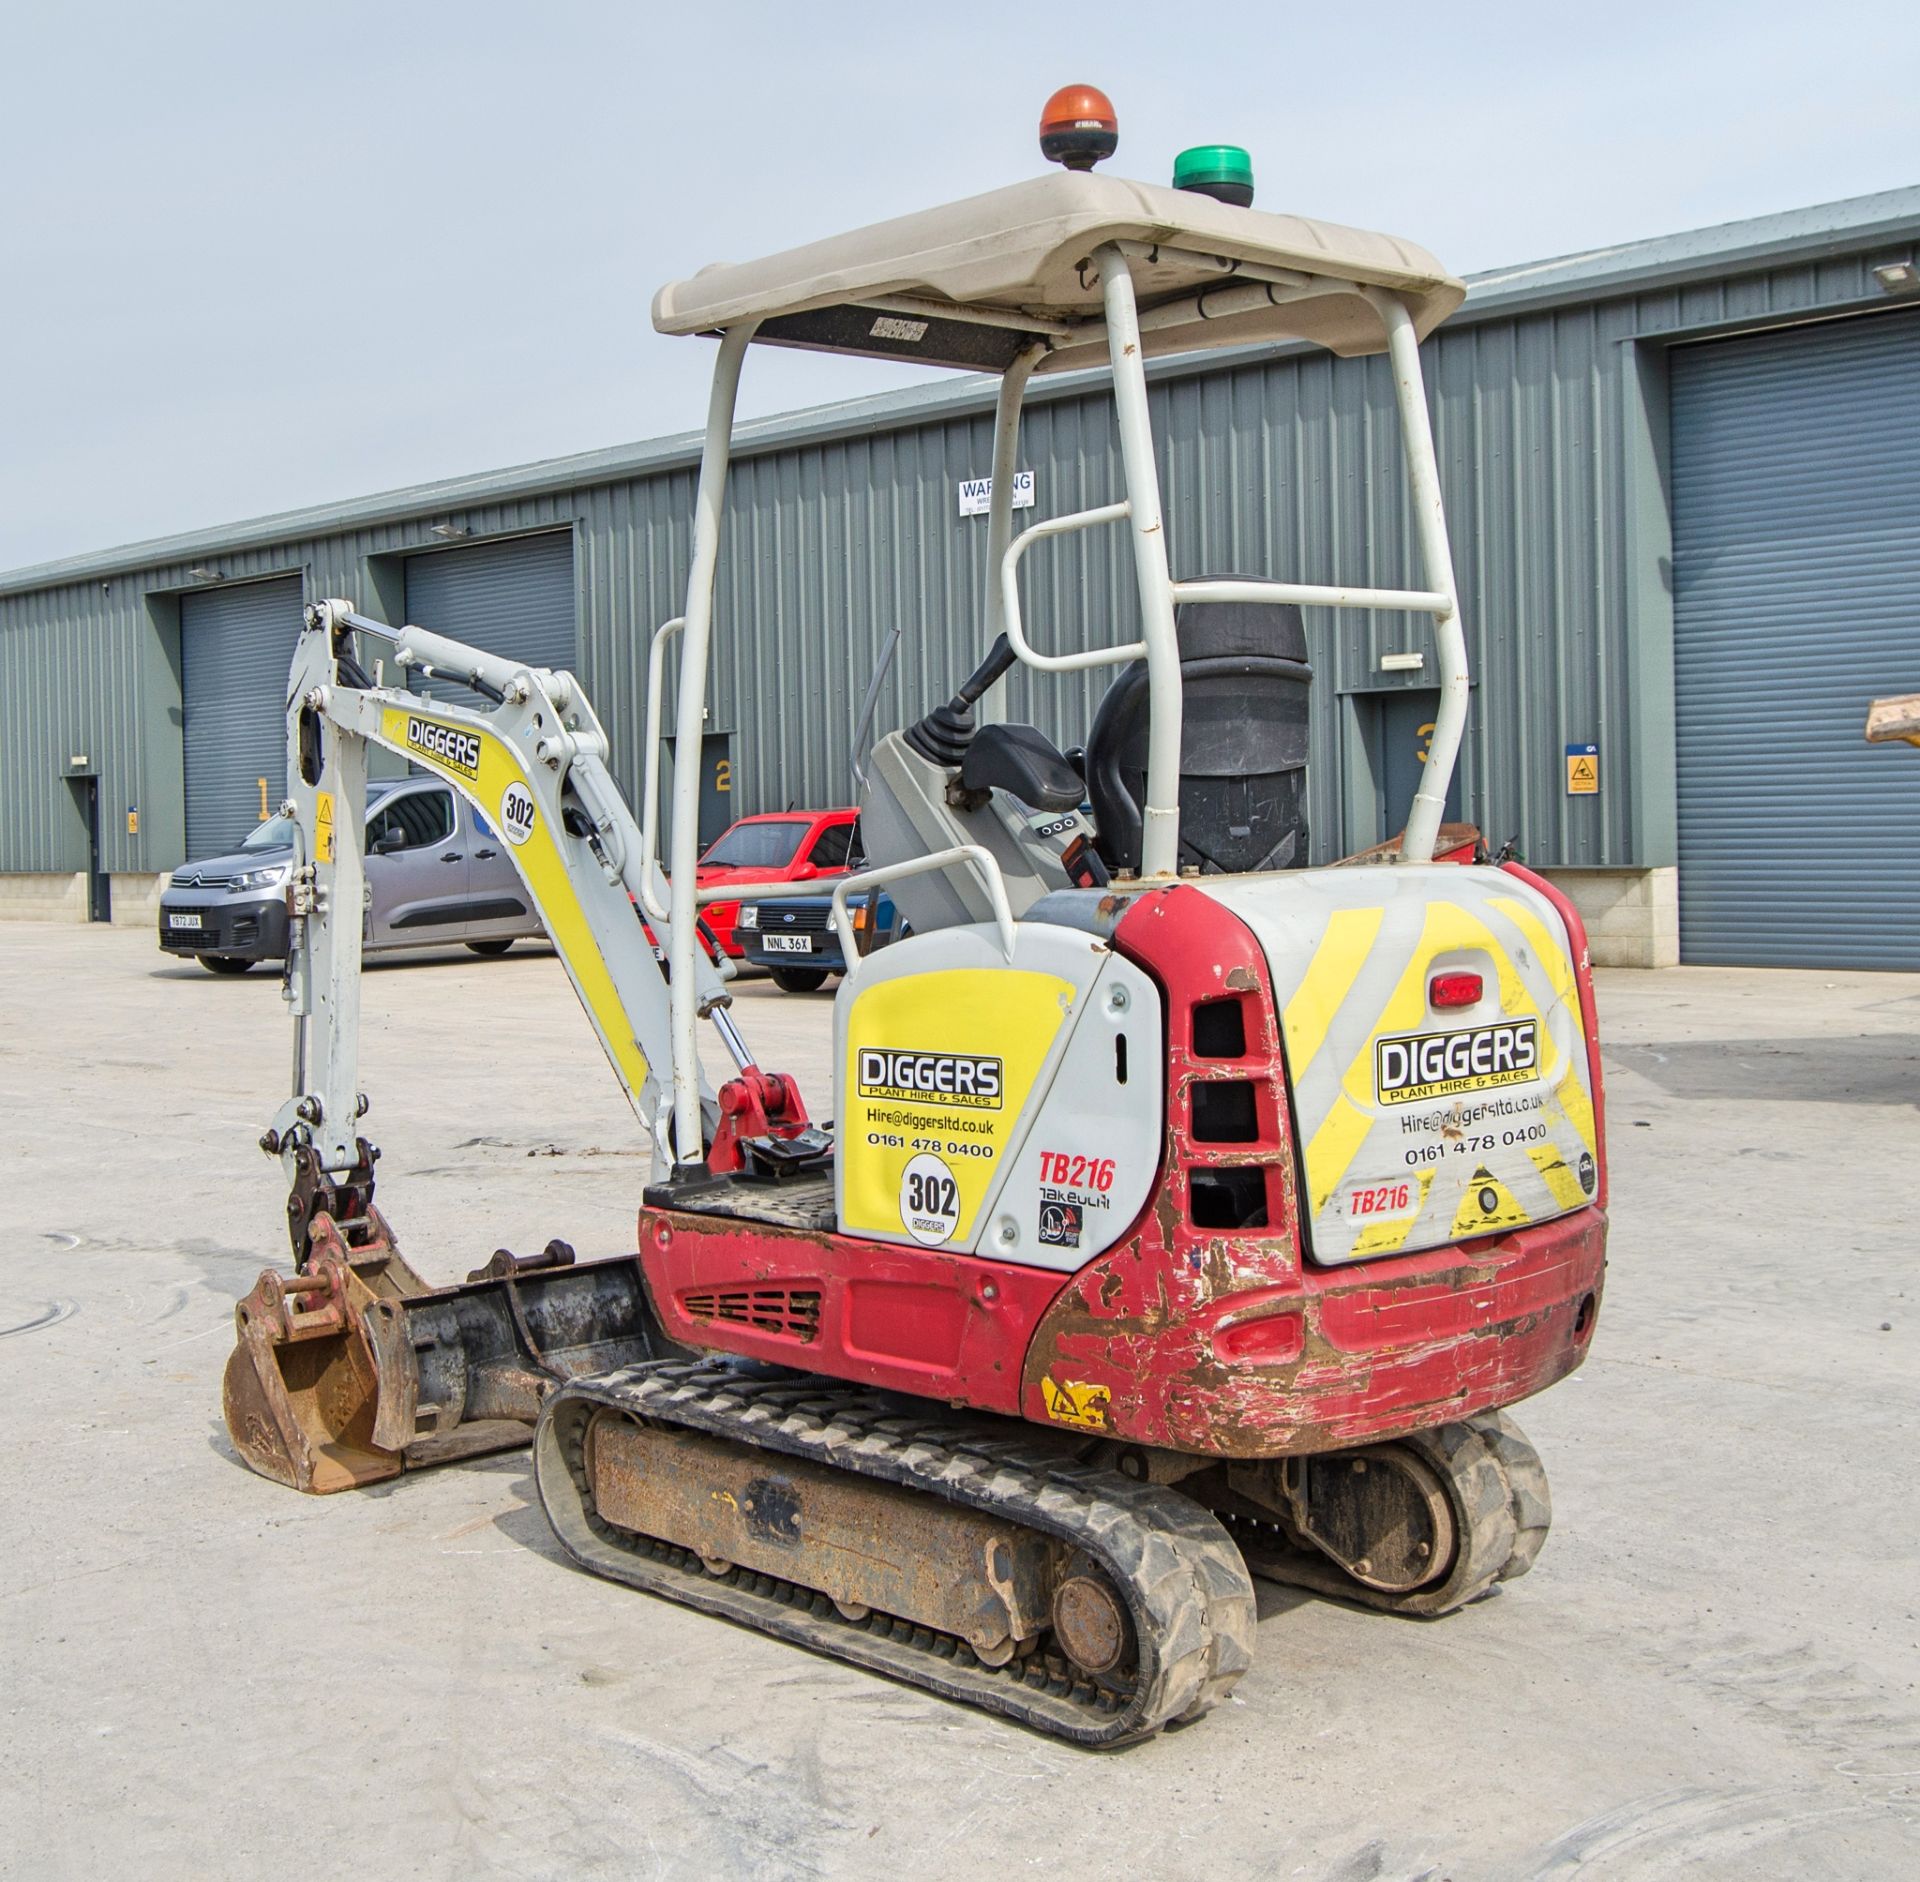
{"x": 983, "y": 861}
{"x": 1010, "y": 594}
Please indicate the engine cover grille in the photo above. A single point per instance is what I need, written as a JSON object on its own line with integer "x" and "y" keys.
{"x": 785, "y": 1312}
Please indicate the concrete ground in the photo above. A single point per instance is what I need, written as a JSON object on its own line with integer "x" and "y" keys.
{"x": 1712, "y": 1671}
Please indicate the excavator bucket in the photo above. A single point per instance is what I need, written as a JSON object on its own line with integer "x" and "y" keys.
{"x": 355, "y": 1370}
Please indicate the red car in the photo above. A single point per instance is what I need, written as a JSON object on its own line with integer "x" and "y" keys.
{"x": 781, "y": 846}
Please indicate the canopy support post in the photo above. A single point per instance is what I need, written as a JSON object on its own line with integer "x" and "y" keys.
{"x": 1436, "y": 554}
{"x": 1006, "y": 450}
{"x": 1160, "y": 825}
{"x": 683, "y": 854}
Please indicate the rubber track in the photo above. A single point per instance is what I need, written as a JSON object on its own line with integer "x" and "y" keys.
{"x": 1187, "y": 1589}
{"x": 1527, "y": 1479}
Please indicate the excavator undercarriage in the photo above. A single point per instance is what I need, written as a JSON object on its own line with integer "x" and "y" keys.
{"x": 1093, "y": 1590}
{"x": 988, "y": 1563}
{"x": 1089, "y": 1588}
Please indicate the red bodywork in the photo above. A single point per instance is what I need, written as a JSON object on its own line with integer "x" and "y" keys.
{"x": 810, "y": 827}
{"x": 1224, "y": 1341}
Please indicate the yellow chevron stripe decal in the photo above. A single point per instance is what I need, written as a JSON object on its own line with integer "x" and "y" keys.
{"x": 1337, "y": 963}
{"x": 1337, "y": 1142}
{"x": 1490, "y": 1153}
{"x": 1488, "y": 1205}
{"x": 1561, "y": 1182}
{"x": 1333, "y": 1148}
{"x": 1569, "y": 1092}
{"x": 481, "y": 772}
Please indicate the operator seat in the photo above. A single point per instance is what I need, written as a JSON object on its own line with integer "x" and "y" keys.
{"x": 1243, "y": 747}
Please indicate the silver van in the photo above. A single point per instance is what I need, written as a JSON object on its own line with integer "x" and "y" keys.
{"x": 436, "y": 872}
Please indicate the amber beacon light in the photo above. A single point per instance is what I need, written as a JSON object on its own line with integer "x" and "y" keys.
{"x": 1078, "y": 128}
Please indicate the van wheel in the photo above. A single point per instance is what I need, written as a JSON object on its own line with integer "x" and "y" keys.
{"x": 799, "y": 979}
{"x": 488, "y": 947}
{"x": 222, "y": 963}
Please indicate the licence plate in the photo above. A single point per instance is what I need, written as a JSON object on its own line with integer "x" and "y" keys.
{"x": 183, "y": 921}
{"x": 787, "y": 943}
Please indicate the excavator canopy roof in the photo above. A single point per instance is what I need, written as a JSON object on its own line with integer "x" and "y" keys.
{"x": 973, "y": 283}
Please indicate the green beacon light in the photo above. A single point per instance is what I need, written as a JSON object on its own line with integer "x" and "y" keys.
{"x": 1222, "y": 171}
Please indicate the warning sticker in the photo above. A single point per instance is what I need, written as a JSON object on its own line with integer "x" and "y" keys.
{"x": 1583, "y": 770}
{"x": 1060, "y": 1222}
{"x": 323, "y": 826}
{"x": 1069, "y": 1402}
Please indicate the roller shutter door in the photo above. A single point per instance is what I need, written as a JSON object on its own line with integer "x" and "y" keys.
{"x": 511, "y": 598}
{"x": 1796, "y": 512}
{"x": 236, "y": 645}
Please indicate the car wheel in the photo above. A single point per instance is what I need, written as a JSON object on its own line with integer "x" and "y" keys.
{"x": 799, "y": 979}
{"x": 222, "y": 963}
{"x": 488, "y": 947}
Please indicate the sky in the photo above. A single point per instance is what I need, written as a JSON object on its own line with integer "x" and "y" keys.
{"x": 256, "y": 256}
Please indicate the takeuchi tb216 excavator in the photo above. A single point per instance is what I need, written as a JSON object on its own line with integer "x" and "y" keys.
{"x": 1190, "y": 1214}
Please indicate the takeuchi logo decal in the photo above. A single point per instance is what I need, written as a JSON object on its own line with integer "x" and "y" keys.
{"x": 962, "y": 1078}
{"x": 1442, "y": 1064}
{"x": 446, "y": 745}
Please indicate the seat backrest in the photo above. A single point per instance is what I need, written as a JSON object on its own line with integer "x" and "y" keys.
{"x": 1243, "y": 745}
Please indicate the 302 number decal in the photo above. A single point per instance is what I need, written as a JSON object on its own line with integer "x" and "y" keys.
{"x": 1070, "y": 1172}
{"x": 518, "y": 813}
{"x": 929, "y": 1200}
{"x": 932, "y": 1195}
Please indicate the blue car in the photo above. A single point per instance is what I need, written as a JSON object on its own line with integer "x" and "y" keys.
{"x": 794, "y": 938}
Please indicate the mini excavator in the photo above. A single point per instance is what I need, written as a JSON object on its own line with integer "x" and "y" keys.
{"x": 1192, "y": 1214}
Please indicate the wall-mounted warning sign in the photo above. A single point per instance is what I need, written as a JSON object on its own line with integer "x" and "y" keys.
{"x": 1583, "y": 770}
{"x": 976, "y": 493}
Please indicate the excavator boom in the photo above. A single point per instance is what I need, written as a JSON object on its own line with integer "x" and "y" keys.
{"x": 533, "y": 763}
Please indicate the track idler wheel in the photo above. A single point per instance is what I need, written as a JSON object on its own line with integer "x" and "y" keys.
{"x": 1383, "y": 1514}
{"x": 1479, "y": 1501}
{"x": 1418, "y": 1526}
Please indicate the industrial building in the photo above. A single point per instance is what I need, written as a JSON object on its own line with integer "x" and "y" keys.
{"x": 1683, "y": 482}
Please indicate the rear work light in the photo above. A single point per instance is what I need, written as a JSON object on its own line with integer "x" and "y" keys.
{"x": 1446, "y": 990}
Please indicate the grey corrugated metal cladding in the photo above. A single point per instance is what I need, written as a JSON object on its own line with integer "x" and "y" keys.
{"x": 843, "y": 524}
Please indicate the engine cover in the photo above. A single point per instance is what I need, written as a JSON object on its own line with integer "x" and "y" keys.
{"x": 1011, "y": 1109}
{"x": 1421, "y": 1125}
